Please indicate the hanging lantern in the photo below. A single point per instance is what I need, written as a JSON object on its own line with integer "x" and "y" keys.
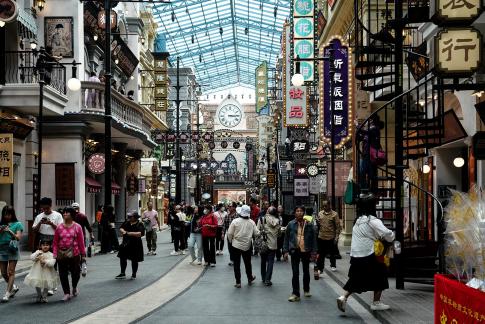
{"x": 40, "y": 4}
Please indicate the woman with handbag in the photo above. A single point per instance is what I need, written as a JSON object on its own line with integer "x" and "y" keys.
{"x": 371, "y": 139}
{"x": 366, "y": 272}
{"x": 10, "y": 234}
{"x": 69, "y": 252}
{"x": 131, "y": 247}
{"x": 269, "y": 227}
{"x": 209, "y": 232}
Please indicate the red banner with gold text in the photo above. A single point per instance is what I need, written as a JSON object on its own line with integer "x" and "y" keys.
{"x": 455, "y": 303}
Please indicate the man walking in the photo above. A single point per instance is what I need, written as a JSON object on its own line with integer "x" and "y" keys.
{"x": 231, "y": 215}
{"x": 45, "y": 224}
{"x": 329, "y": 230}
{"x": 300, "y": 243}
{"x": 82, "y": 220}
{"x": 150, "y": 219}
{"x": 240, "y": 234}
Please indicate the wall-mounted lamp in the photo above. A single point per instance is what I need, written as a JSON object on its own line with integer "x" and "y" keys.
{"x": 477, "y": 93}
{"x": 33, "y": 44}
{"x": 74, "y": 84}
{"x": 426, "y": 169}
{"x": 40, "y": 4}
{"x": 95, "y": 37}
{"x": 297, "y": 79}
{"x": 458, "y": 162}
{"x": 117, "y": 61}
{"x": 2, "y": 23}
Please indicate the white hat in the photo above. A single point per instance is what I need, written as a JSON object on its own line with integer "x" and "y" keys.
{"x": 75, "y": 205}
{"x": 243, "y": 211}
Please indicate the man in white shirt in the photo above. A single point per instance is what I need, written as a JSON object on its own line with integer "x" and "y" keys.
{"x": 289, "y": 169}
{"x": 45, "y": 223}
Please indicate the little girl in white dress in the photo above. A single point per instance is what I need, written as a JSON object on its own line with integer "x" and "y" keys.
{"x": 42, "y": 275}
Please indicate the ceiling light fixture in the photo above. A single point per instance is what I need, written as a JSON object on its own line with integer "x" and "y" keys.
{"x": 458, "y": 162}
{"x": 95, "y": 37}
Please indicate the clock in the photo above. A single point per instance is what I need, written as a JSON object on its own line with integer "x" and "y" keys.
{"x": 312, "y": 170}
{"x": 230, "y": 115}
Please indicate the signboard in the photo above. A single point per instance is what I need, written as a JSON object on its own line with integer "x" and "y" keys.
{"x": 161, "y": 81}
{"x": 336, "y": 105}
{"x": 296, "y": 114}
{"x": 65, "y": 183}
{"x": 452, "y": 12}
{"x": 314, "y": 187}
{"x": 303, "y": 35}
{"x": 154, "y": 184}
{"x": 321, "y": 24}
{"x": 342, "y": 169}
{"x": 102, "y": 19}
{"x": 96, "y": 163}
{"x": 271, "y": 179}
{"x": 132, "y": 184}
{"x": 362, "y": 106}
{"x": 261, "y": 86}
{"x": 120, "y": 51}
{"x": 142, "y": 183}
{"x": 300, "y": 146}
{"x": 458, "y": 51}
{"x": 6, "y": 158}
{"x": 301, "y": 187}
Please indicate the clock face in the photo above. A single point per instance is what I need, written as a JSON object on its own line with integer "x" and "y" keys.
{"x": 312, "y": 170}
{"x": 230, "y": 116}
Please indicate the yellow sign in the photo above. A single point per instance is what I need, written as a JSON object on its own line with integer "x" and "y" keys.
{"x": 6, "y": 158}
{"x": 161, "y": 83}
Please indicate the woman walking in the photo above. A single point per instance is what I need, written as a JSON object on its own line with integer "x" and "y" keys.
{"x": 131, "y": 247}
{"x": 69, "y": 251}
{"x": 241, "y": 233}
{"x": 10, "y": 234}
{"x": 220, "y": 214}
{"x": 270, "y": 225}
{"x": 195, "y": 239}
{"x": 209, "y": 231}
{"x": 366, "y": 273}
{"x": 177, "y": 232}
{"x": 109, "y": 238}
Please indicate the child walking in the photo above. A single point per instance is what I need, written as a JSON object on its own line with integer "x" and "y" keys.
{"x": 42, "y": 275}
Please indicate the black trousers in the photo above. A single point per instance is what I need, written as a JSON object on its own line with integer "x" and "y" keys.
{"x": 298, "y": 257}
{"x": 178, "y": 240}
{"x": 326, "y": 247}
{"x": 124, "y": 264}
{"x": 220, "y": 239}
{"x": 66, "y": 266}
{"x": 279, "y": 250}
{"x": 230, "y": 249}
{"x": 246, "y": 256}
{"x": 209, "y": 246}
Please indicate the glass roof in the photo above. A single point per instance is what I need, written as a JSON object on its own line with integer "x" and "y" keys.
{"x": 223, "y": 40}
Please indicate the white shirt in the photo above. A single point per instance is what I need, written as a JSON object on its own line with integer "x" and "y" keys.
{"x": 287, "y": 141}
{"x": 241, "y": 232}
{"x": 46, "y": 229}
{"x": 94, "y": 79}
{"x": 365, "y": 231}
{"x": 289, "y": 166}
{"x": 220, "y": 215}
{"x": 181, "y": 216}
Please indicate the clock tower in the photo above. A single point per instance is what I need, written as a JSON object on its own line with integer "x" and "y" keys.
{"x": 230, "y": 115}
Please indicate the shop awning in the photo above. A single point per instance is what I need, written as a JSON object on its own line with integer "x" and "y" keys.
{"x": 19, "y": 127}
{"x": 115, "y": 188}
{"x": 93, "y": 186}
{"x": 27, "y": 24}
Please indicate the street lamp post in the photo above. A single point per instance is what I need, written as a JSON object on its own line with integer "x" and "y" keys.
{"x": 178, "y": 157}
{"x": 107, "y": 104}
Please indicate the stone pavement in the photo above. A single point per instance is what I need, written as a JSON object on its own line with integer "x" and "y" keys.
{"x": 413, "y": 305}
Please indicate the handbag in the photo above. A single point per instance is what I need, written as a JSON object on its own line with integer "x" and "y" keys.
{"x": 349, "y": 196}
{"x": 261, "y": 241}
{"x": 63, "y": 254}
{"x": 13, "y": 246}
{"x": 378, "y": 156}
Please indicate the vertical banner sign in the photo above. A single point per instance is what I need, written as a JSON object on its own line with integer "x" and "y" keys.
{"x": 154, "y": 184}
{"x": 296, "y": 114}
{"x": 6, "y": 158}
{"x": 161, "y": 81}
{"x": 261, "y": 86}
{"x": 303, "y": 31}
{"x": 337, "y": 101}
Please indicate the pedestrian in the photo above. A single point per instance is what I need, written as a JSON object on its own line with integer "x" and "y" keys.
{"x": 132, "y": 230}
{"x": 131, "y": 95}
{"x": 329, "y": 228}
{"x": 91, "y": 95}
{"x": 270, "y": 225}
{"x": 189, "y": 214}
{"x": 241, "y": 233}
{"x": 42, "y": 275}
{"x": 289, "y": 170}
{"x": 150, "y": 219}
{"x": 231, "y": 215}
{"x": 179, "y": 210}
{"x": 220, "y": 214}
{"x": 300, "y": 243}
{"x": 109, "y": 243}
{"x": 69, "y": 252}
{"x": 82, "y": 220}
{"x": 255, "y": 212}
{"x": 45, "y": 223}
{"x": 177, "y": 232}
{"x": 366, "y": 273}
{"x": 10, "y": 234}
{"x": 284, "y": 220}
{"x": 209, "y": 231}
{"x": 195, "y": 239}
{"x": 371, "y": 140}
{"x": 99, "y": 214}
{"x": 287, "y": 146}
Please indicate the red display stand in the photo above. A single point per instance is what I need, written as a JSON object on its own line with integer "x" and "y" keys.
{"x": 456, "y": 303}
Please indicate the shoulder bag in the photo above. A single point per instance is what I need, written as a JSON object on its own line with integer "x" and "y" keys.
{"x": 64, "y": 254}
{"x": 261, "y": 241}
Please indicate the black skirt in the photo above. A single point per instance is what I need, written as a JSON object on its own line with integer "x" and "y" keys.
{"x": 366, "y": 274}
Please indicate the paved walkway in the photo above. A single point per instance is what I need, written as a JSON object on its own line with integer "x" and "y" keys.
{"x": 413, "y": 305}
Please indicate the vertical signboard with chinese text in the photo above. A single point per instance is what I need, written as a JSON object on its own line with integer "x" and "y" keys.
{"x": 6, "y": 158}
{"x": 303, "y": 35}
{"x": 161, "y": 81}
{"x": 261, "y": 86}
{"x": 336, "y": 101}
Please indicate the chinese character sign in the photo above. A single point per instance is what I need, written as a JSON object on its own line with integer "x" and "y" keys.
{"x": 161, "y": 81}
{"x": 457, "y": 51}
{"x": 6, "y": 158}
{"x": 336, "y": 105}
{"x": 261, "y": 86}
{"x": 302, "y": 187}
{"x": 453, "y": 11}
{"x": 296, "y": 107}
{"x": 303, "y": 30}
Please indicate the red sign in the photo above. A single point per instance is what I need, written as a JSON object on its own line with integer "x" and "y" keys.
{"x": 454, "y": 302}
{"x": 96, "y": 163}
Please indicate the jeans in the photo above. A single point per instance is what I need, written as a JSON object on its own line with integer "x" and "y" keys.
{"x": 246, "y": 256}
{"x": 326, "y": 247}
{"x": 152, "y": 240}
{"x": 304, "y": 258}
{"x": 124, "y": 264}
{"x": 209, "y": 245}
{"x": 72, "y": 265}
{"x": 267, "y": 261}
{"x": 195, "y": 239}
{"x": 220, "y": 238}
{"x": 230, "y": 249}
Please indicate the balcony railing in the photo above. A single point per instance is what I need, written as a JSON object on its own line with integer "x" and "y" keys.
{"x": 24, "y": 67}
{"x": 123, "y": 110}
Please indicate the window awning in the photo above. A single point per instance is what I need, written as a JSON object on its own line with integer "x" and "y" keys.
{"x": 27, "y": 24}
{"x": 93, "y": 186}
{"x": 115, "y": 188}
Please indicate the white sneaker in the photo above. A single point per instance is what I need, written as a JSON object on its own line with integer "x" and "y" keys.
{"x": 199, "y": 262}
{"x": 321, "y": 274}
{"x": 174, "y": 253}
{"x": 213, "y": 265}
{"x": 217, "y": 252}
{"x": 149, "y": 253}
{"x": 333, "y": 269}
{"x": 6, "y": 297}
{"x": 221, "y": 253}
{"x": 15, "y": 289}
{"x": 154, "y": 253}
{"x": 341, "y": 303}
{"x": 183, "y": 253}
{"x": 50, "y": 292}
{"x": 378, "y": 306}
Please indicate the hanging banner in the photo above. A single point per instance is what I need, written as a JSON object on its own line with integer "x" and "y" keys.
{"x": 261, "y": 86}
{"x": 161, "y": 81}
{"x": 6, "y": 158}
{"x": 336, "y": 105}
{"x": 303, "y": 36}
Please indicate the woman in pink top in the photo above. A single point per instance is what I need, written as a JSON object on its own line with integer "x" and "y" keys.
{"x": 69, "y": 250}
